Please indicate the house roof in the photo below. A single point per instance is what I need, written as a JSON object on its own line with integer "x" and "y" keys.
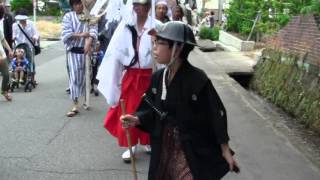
{"x": 317, "y": 19}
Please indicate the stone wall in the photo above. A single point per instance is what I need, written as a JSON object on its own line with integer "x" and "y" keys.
{"x": 284, "y": 80}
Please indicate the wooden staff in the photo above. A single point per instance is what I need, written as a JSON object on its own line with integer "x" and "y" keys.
{"x": 133, "y": 163}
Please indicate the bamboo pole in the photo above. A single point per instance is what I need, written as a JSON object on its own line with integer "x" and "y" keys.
{"x": 89, "y": 20}
{"x": 133, "y": 163}
{"x": 87, "y": 75}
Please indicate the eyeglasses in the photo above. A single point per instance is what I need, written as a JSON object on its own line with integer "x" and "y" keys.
{"x": 160, "y": 42}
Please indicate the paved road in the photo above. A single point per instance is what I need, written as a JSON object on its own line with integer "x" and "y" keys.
{"x": 258, "y": 133}
{"x": 37, "y": 140}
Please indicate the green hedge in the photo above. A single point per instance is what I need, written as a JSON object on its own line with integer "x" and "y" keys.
{"x": 209, "y": 33}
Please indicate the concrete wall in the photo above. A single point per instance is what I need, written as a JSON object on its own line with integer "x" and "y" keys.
{"x": 233, "y": 41}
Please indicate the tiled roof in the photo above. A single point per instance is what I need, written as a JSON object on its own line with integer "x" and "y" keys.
{"x": 317, "y": 19}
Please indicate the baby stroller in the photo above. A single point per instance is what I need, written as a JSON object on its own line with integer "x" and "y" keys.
{"x": 28, "y": 81}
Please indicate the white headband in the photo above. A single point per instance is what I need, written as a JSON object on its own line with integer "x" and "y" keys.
{"x": 162, "y": 2}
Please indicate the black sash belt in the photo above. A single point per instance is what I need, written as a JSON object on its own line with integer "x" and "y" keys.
{"x": 77, "y": 50}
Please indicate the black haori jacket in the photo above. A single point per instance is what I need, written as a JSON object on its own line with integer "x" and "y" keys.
{"x": 200, "y": 118}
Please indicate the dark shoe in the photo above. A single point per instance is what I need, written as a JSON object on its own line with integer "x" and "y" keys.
{"x": 68, "y": 90}
{"x": 96, "y": 92}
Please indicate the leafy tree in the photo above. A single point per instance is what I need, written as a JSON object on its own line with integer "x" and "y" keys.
{"x": 19, "y": 4}
{"x": 52, "y": 8}
{"x": 242, "y": 13}
{"x": 273, "y": 14}
{"x": 313, "y": 8}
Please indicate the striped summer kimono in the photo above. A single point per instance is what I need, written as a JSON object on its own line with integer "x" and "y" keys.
{"x": 75, "y": 61}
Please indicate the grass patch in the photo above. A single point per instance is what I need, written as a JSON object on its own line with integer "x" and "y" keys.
{"x": 48, "y": 29}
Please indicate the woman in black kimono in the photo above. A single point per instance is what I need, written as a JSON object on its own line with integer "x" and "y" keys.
{"x": 183, "y": 114}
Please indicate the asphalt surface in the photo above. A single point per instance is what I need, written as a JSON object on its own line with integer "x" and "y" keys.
{"x": 37, "y": 140}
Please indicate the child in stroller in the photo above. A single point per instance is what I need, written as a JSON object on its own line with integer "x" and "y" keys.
{"x": 22, "y": 51}
{"x": 19, "y": 66}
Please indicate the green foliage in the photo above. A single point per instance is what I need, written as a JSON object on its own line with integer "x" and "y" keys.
{"x": 205, "y": 32}
{"x": 209, "y": 33}
{"x": 274, "y": 14}
{"x": 282, "y": 19}
{"x": 18, "y": 4}
{"x": 52, "y": 8}
{"x": 215, "y": 33}
{"x": 51, "y": 11}
{"x": 313, "y": 8}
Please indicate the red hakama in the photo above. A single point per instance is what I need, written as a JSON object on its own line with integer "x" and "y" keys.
{"x": 134, "y": 84}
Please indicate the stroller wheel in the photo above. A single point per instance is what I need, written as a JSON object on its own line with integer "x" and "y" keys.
{"x": 30, "y": 87}
{"x": 11, "y": 87}
{"x": 34, "y": 84}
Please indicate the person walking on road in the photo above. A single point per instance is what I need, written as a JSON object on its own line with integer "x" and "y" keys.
{"x": 78, "y": 43}
{"x": 3, "y": 61}
{"x": 125, "y": 72}
{"x": 183, "y": 114}
{"x": 7, "y": 22}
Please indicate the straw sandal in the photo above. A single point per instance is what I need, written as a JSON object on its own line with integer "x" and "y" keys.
{"x": 7, "y": 96}
{"x": 73, "y": 112}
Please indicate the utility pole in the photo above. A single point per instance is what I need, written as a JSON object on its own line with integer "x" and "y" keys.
{"x": 220, "y": 7}
{"x": 34, "y": 3}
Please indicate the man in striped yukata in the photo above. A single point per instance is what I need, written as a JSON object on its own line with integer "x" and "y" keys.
{"x": 78, "y": 43}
